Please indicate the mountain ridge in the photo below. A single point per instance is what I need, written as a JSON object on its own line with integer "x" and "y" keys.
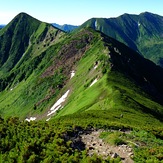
{"x": 68, "y": 51}
{"x": 145, "y": 36}
{"x": 64, "y": 86}
{"x": 134, "y": 66}
{"x": 21, "y": 23}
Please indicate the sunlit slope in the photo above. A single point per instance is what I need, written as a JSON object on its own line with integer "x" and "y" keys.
{"x": 123, "y": 82}
{"x": 143, "y": 33}
{"x": 40, "y": 76}
{"x": 29, "y": 39}
{"x": 74, "y": 84}
{"x": 108, "y": 76}
{"x": 24, "y": 37}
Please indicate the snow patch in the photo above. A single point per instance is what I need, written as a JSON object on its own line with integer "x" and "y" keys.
{"x": 96, "y": 24}
{"x": 93, "y": 82}
{"x": 57, "y": 105}
{"x": 117, "y": 50}
{"x": 48, "y": 119}
{"x": 30, "y": 119}
{"x": 53, "y": 111}
{"x": 72, "y": 74}
{"x": 95, "y": 66}
{"x": 139, "y": 24}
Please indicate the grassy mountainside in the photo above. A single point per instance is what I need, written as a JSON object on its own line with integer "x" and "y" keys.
{"x": 42, "y": 74}
{"x": 142, "y": 33}
{"x": 25, "y": 40}
{"x": 22, "y": 35}
{"x": 122, "y": 76}
{"x": 13, "y": 43}
{"x": 112, "y": 88}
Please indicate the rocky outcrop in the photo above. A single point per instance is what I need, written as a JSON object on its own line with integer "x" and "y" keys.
{"x": 89, "y": 139}
{"x": 95, "y": 145}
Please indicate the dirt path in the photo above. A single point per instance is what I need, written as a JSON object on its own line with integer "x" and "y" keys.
{"x": 96, "y": 145}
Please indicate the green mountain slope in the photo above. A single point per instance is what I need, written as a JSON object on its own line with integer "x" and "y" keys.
{"x": 42, "y": 74}
{"x": 122, "y": 77}
{"x": 25, "y": 48}
{"x": 81, "y": 81}
{"x": 19, "y": 37}
{"x": 12, "y": 39}
{"x": 142, "y": 33}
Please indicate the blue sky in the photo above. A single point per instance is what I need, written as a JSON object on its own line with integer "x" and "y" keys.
{"x": 75, "y": 12}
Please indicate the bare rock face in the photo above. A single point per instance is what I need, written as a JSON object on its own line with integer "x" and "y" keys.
{"x": 95, "y": 145}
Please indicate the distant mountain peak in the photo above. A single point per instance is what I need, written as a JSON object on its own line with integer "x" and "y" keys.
{"x": 25, "y": 16}
{"x": 19, "y": 33}
{"x": 23, "y": 13}
{"x": 65, "y": 27}
{"x": 142, "y": 33}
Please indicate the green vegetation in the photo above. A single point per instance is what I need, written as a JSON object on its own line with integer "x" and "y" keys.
{"x": 113, "y": 138}
{"x": 53, "y": 141}
{"x": 42, "y": 142}
{"x": 11, "y": 40}
{"x": 126, "y": 95}
{"x": 147, "y": 147}
{"x": 143, "y": 33}
{"x": 25, "y": 91}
